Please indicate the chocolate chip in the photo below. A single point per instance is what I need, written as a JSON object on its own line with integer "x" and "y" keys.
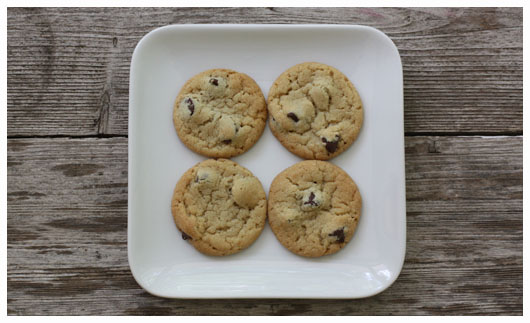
{"x": 311, "y": 200}
{"x": 292, "y": 116}
{"x": 191, "y": 106}
{"x": 185, "y": 236}
{"x": 227, "y": 141}
{"x": 339, "y": 233}
{"x": 331, "y": 146}
{"x": 201, "y": 177}
{"x": 214, "y": 82}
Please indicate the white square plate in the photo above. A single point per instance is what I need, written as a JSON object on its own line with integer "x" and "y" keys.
{"x": 164, "y": 264}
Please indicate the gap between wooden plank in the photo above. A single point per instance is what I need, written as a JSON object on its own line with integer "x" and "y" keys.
{"x": 101, "y": 135}
{"x": 463, "y": 134}
{"x": 407, "y": 134}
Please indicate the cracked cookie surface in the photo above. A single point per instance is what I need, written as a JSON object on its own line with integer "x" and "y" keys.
{"x": 315, "y": 111}
{"x": 220, "y": 113}
{"x": 313, "y": 208}
{"x": 219, "y": 206}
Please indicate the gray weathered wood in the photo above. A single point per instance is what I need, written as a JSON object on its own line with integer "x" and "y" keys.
{"x": 67, "y": 242}
{"x": 68, "y": 68}
{"x": 68, "y": 71}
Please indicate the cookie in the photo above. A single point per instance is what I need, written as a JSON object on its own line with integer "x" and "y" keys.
{"x": 314, "y": 208}
{"x": 220, "y": 113}
{"x": 315, "y": 111}
{"x": 219, "y": 207}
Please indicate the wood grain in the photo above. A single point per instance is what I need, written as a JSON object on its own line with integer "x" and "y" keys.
{"x": 67, "y": 242}
{"x": 68, "y": 68}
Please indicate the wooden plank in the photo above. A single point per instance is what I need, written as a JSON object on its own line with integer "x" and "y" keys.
{"x": 67, "y": 241}
{"x": 68, "y": 68}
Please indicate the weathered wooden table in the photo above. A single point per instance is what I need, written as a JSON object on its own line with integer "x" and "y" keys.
{"x": 68, "y": 73}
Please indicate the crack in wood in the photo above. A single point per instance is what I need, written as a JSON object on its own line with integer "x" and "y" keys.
{"x": 103, "y": 119}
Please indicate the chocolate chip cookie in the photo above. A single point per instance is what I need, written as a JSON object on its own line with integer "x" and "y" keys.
{"x": 220, "y": 113}
{"x": 315, "y": 111}
{"x": 219, "y": 207}
{"x": 313, "y": 208}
